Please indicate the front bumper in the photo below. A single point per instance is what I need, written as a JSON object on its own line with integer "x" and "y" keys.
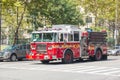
{"x": 41, "y": 57}
{"x": 3, "y": 58}
{"x": 29, "y": 57}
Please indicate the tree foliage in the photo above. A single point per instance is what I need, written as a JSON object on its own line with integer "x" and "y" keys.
{"x": 106, "y": 12}
{"x": 13, "y": 14}
{"x": 18, "y": 14}
{"x": 102, "y": 9}
{"x": 56, "y": 11}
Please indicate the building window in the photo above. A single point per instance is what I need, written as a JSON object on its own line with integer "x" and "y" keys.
{"x": 88, "y": 19}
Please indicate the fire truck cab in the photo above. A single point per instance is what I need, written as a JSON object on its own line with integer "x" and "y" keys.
{"x": 67, "y": 43}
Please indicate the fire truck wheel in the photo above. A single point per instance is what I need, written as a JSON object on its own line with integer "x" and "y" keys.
{"x": 45, "y": 61}
{"x": 68, "y": 57}
{"x": 98, "y": 55}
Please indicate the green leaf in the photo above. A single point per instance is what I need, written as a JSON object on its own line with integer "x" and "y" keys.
{"x": 18, "y": 4}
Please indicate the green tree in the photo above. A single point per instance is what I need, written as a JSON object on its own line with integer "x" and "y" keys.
{"x": 103, "y": 10}
{"x": 13, "y": 14}
{"x": 55, "y": 12}
{"x": 106, "y": 12}
{"x": 18, "y": 13}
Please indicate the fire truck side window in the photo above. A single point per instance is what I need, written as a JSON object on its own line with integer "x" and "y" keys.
{"x": 76, "y": 35}
{"x": 61, "y": 37}
{"x": 65, "y": 37}
{"x": 70, "y": 37}
{"x": 55, "y": 37}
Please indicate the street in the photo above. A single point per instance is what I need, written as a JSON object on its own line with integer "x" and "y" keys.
{"x": 86, "y": 70}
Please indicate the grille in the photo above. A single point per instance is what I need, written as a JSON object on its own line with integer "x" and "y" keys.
{"x": 41, "y": 48}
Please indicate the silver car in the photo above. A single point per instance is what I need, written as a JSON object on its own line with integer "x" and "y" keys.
{"x": 115, "y": 51}
{"x": 16, "y": 52}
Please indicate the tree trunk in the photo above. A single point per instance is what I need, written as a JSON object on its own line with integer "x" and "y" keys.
{"x": 16, "y": 37}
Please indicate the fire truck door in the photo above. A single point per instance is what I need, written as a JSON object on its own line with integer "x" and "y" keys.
{"x": 83, "y": 42}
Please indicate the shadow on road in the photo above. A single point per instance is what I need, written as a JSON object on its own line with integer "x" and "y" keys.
{"x": 75, "y": 62}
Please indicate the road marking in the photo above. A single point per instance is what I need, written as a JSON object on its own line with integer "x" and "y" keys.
{"x": 113, "y": 72}
{"x": 70, "y": 68}
{"x": 93, "y": 69}
{"x": 104, "y": 70}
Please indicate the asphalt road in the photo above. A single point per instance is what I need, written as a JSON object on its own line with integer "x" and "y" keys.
{"x": 87, "y": 70}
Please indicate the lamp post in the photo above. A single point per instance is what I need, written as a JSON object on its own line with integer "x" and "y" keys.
{"x": 116, "y": 22}
{"x": 87, "y": 20}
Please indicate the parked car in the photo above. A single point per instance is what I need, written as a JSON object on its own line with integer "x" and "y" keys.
{"x": 115, "y": 51}
{"x": 16, "y": 52}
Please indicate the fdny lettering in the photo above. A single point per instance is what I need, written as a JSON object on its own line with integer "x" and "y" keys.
{"x": 66, "y": 46}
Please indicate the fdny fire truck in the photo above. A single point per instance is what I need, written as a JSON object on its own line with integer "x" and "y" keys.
{"x": 67, "y": 43}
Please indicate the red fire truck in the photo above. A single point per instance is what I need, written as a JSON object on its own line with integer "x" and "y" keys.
{"x": 67, "y": 43}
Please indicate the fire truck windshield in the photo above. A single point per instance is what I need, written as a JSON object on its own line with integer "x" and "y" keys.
{"x": 44, "y": 37}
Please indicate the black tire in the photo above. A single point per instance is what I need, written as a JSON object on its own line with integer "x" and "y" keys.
{"x": 98, "y": 55}
{"x": 1, "y": 60}
{"x": 45, "y": 61}
{"x": 68, "y": 57}
{"x": 13, "y": 57}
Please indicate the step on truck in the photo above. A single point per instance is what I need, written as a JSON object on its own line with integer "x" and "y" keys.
{"x": 67, "y": 43}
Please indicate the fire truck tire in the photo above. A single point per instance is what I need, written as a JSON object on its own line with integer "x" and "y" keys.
{"x": 45, "y": 61}
{"x": 98, "y": 55}
{"x": 68, "y": 57}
